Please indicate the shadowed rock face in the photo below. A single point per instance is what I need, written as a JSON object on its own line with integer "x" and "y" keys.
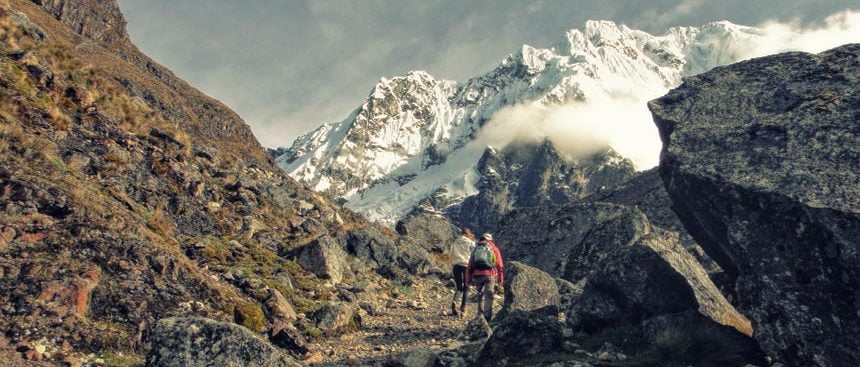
{"x": 629, "y": 270}
{"x": 762, "y": 162}
{"x": 646, "y": 192}
{"x": 430, "y": 230}
{"x": 535, "y": 174}
{"x": 100, "y": 20}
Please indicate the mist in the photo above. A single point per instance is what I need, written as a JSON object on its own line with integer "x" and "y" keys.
{"x": 579, "y": 130}
{"x": 623, "y": 122}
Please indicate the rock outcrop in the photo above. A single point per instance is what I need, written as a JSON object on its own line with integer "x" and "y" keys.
{"x": 100, "y": 20}
{"x": 202, "y": 342}
{"x": 325, "y": 258}
{"x": 534, "y": 174}
{"x": 762, "y": 162}
{"x": 630, "y": 270}
{"x": 392, "y": 256}
{"x": 521, "y": 337}
{"x": 528, "y": 289}
{"x": 646, "y": 192}
{"x": 430, "y": 229}
{"x": 625, "y": 282}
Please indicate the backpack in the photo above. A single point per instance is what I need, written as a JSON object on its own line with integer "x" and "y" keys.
{"x": 483, "y": 257}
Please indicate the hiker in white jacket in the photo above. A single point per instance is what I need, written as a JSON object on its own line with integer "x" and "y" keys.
{"x": 460, "y": 250}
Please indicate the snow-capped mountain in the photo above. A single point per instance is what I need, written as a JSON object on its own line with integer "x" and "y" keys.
{"x": 415, "y": 134}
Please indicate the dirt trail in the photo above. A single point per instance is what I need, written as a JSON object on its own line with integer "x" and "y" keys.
{"x": 419, "y": 318}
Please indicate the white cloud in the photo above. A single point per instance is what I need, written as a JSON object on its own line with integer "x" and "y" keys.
{"x": 838, "y": 29}
{"x": 580, "y": 129}
{"x": 624, "y": 122}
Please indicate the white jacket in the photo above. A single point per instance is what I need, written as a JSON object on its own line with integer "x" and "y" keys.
{"x": 461, "y": 250}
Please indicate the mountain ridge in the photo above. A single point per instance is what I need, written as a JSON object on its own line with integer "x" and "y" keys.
{"x": 411, "y": 123}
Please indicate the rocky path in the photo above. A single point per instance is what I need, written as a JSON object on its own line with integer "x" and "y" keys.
{"x": 416, "y": 318}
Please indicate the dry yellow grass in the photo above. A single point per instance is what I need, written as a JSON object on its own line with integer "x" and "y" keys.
{"x": 161, "y": 222}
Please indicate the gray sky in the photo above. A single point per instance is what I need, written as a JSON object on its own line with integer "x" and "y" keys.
{"x": 286, "y": 66}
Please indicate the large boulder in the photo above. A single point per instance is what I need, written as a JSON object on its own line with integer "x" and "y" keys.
{"x": 762, "y": 162}
{"x": 278, "y": 307}
{"x": 202, "y": 342}
{"x": 325, "y": 258}
{"x": 430, "y": 229}
{"x": 374, "y": 244}
{"x": 337, "y": 317}
{"x": 629, "y": 270}
{"x": 521, "y": 337}
{"x": 528, "y": 289}
{"x": 414, "y": 358}
{"x": 645, "y": 191}
{"x": 398, "y": 258}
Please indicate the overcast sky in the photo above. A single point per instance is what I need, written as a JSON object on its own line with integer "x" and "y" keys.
{"x": 288, "y": 66}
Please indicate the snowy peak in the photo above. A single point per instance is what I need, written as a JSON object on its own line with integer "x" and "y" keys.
{"x": 399, "y": 120}
{"x": 415, "y": 134}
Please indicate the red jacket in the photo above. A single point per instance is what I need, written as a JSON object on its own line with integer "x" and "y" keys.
{"x": 498, "y": 271}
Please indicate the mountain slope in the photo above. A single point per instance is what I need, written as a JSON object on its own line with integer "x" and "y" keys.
{"x": 415, "y": 126}
{"x": 127, "y": 196}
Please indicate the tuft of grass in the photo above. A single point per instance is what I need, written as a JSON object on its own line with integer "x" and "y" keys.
{"x": 217, "y": 251}
{"x": 251, "y": 316}
{"x": 160, "y": 222}
{"x": 313, "y": 332}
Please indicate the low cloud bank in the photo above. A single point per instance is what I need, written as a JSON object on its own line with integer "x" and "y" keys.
{"x": 579, "y": 130}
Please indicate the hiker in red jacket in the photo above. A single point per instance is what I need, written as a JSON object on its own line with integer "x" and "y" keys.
{"x": 485, "y": 270}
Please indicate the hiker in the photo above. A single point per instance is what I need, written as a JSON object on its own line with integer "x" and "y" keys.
{"x": 485, "y": 270}
{"x": 460, "y": 250}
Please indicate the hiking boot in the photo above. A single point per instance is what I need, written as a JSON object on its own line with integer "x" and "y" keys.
{"x": 454, "y": 309}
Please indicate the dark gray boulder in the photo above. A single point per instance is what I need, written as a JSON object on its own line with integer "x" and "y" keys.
{"x": 289, "y": 337}
{"x": 325, "y": 258}
{"x": 336, "y": 318}
{"x": 191, "y": 342}
{"x": 520, "y": 337}
{"x": 430, "y": 229}
{"x": 398, "y": 258}
{"x": 762, "y": 162}
{"x": 646, "y": 192}
{"x": 628, "y": 269}
{"x": 373, "y": 243}
{"x": 477, "y": 329}
{"x": 528, "y": 289}
{"x": 414, "y": 358}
